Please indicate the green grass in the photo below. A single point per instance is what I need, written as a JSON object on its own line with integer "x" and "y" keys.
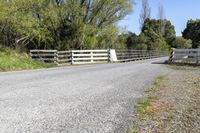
{"x": 145, "y": 102}
{"x": 159, "y": 80}
{"x": 10, "y": 60}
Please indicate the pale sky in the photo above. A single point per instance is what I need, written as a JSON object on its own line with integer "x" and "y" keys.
{"x": 177, "y": 11}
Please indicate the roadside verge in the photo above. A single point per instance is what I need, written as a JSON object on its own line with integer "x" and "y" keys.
{"x": 172, "y": 104}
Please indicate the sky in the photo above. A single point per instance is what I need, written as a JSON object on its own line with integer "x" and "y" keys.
{"x": 177, "y": 11}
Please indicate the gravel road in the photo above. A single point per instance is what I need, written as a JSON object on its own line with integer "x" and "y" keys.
{"x": 75, "y": 99}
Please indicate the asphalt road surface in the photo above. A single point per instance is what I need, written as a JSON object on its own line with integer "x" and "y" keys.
{"x": 75, "y": 99}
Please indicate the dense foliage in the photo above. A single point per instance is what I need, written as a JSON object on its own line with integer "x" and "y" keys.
{"x": 192, "y": 32}
{"x": 61, "y": 24}
{"x": 152, "y": 37}
{"x": 181, "y": 42}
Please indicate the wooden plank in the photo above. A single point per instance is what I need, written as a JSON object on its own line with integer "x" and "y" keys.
{"x": 81, "y": 59}
{"x": 82, "y": 51}
{"x": 187, "y": 59}
{"x": 187, "y": 50}
{"x": 79, "y": 55}
{"x": 131, "y": 50}
{"x": 48, "y": 51}
{"x": 100, "y": 58}
{"x": 46, "y": 59}
{"x": 95, "y": 62}
{"x": 64, "y": 56}
{"x": 64, "y": 59}
{"x": 42, "y": 55}
{"x": 64, "y": 52}
{"x": 189, "y": 54}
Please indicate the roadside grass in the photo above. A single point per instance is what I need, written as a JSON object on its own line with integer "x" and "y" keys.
{"x": 144, "y": 103}
{"x": 171, "y": 105}
{"x": 11, "y": 60}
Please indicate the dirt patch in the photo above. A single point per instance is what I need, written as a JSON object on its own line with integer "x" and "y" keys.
{"x": 173, "y": 105}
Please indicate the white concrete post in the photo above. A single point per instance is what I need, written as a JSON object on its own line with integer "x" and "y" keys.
{"x": 113, "y": 55}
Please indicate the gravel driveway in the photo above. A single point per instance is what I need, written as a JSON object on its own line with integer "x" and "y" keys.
{"x": 75, "y": 99}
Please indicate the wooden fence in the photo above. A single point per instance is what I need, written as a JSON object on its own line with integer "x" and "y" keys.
{"x": 64, "y": 57}
{"x": 132, "y": 55}
{"x": 71, "y": 57}
{"x": 91, "y": 56}
{"x": 47, "y": 56}
{"x": 191, "y": 56}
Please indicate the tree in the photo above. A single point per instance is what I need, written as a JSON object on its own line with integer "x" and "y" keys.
{"x": 145, "y": 12}
{"x": 181, "y": 42}
{"x": 151, "y": 29}
{"x": 136, "y": 42}
{"x": 170, "y": 33}
{"x": 62, "y": 24}
{"x": 192, "y": 31}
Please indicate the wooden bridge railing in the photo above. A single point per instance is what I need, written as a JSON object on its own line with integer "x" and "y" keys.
{"x": 191, "y": 56}
{"x": 47, "y": 56}
{"x": 71, "y": 57}
{"x": 91, "y": 56}
{"x": 132, "y": 55}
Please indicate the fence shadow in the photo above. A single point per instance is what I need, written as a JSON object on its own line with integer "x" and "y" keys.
{"x": 160, "y": 62}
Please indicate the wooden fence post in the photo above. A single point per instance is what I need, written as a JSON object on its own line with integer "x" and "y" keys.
{"x": 197, "y": 57}
{"x": 56, "y": 57}
{"x": 72, "y": 55}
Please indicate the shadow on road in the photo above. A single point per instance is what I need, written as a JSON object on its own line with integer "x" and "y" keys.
{"x": 160, "y": 62}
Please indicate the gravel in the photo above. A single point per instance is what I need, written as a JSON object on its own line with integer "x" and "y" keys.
{"x": 176, "y": 107}
{"x": 75, "y": 99}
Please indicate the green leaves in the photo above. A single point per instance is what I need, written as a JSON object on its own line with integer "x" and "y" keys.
{"x": 69, "y": 24}
{"x": 156, "y": 39}
{"x": 181, "y": 42}
{"x": 192, "y": 32}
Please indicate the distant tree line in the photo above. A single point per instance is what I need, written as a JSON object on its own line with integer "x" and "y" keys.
{"x": 152, "y": 38}
{"x": 159, "y": 34}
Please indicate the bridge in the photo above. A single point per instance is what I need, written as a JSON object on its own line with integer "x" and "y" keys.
{"x": 89, "y": 98}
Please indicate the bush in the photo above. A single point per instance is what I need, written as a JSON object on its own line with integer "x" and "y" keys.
{"x": 181, "y": 42}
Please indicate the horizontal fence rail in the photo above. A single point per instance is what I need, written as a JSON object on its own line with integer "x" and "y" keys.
{"x": 185, "y": 56}
{"x": 89, "y": 56}
{"x": 71, "y": 57}
{"x": 92, "y": 56}
{"x": 47, "y": 56}
{"x": 64, "y": 57}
